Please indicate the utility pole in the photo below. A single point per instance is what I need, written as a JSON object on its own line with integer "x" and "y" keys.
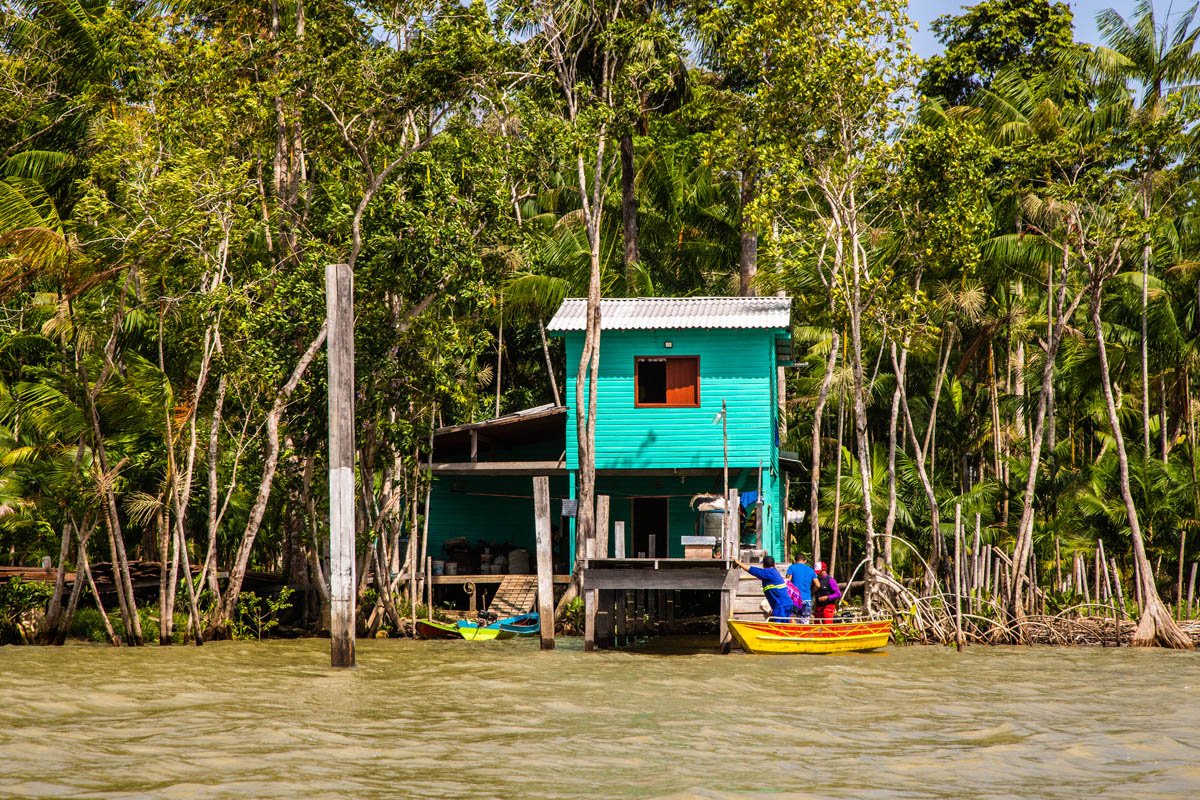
{"x": 339, "y": 314}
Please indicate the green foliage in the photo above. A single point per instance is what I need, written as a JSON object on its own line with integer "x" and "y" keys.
{"x": 572, "y": 615}
{"x": 173, "y": 181}
{"x": 258, "y": 615}
{"x": 20, "y": 604}
{"x": 1031, "y": 35}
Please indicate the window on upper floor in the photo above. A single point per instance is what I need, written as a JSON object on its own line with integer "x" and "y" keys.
{"x": 667, "y": 382}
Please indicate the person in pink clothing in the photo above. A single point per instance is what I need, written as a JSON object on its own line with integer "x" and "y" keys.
{"x": 825, "y": 594}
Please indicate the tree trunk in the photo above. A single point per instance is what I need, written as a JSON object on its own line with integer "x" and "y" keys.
{"x": 814, "y": 505}
{"x": 54, "y": 614}
{"x": 629, "y": 207}
{"x": 1155, "y": 625}
{"x": 549, "y": 363}
{"x": 223, "y": 609}
{"x": 748, "y": 258}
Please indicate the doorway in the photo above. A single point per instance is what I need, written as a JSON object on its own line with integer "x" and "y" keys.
{"x": 651, "y": 518}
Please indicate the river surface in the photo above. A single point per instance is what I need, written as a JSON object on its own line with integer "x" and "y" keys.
{"x": 504, "y": 720}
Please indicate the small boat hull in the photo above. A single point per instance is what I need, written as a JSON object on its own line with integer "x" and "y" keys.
{"x": 523, "y": 625}
{"x": 831, "y": 637}
{"x": 427, "y": 629}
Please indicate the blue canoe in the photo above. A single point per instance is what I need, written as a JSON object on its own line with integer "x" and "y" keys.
{"x": 523, "y": 625}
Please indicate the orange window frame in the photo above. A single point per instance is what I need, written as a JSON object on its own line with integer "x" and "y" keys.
{"x": 694, "y": 372}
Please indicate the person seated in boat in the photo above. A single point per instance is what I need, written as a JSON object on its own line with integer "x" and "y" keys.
{"x": 802, "y": 575}
{"x": 825, "y": 593}
{"x": 774, "y": 589}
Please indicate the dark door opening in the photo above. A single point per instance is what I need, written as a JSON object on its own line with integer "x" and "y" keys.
{"x": 650, "y": 519}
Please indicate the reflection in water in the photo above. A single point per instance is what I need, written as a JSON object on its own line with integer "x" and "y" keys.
{"x": 504, "y": 720}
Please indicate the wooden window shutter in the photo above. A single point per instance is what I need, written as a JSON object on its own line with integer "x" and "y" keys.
{"x": 683, "y": 382}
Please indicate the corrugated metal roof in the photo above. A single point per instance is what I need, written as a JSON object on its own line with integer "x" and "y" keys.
{"x": 646, "y": 313}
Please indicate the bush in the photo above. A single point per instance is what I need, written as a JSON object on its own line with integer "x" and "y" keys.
{"x": 22, "y": 604}
{"x": 258, "y": 615}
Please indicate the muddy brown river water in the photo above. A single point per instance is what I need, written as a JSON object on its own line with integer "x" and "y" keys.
{"x": 504, "y": 720}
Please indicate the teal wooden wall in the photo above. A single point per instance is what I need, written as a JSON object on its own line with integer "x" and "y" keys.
{"x": 490, "y": 509}
{"x": 735, "y": 365}
{"x": 682, "y": 519}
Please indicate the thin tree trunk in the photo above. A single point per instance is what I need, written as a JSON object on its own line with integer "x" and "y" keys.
{"x": 814, "y": 505}
{"x": 223, "y": 609}
{"x": 748, "y": 252}
{"x": 1155, "y": 625}
{"x": 86, "y": 568}
{"x": 629, "y": 207}
{"x": 549, "y": 363}
{"x": 54, "y": 613}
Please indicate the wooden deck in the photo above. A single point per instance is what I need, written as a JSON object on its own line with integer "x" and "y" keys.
{"x": 609, "y": 584}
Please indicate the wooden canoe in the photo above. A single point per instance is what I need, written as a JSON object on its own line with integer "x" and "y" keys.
{"x": 427, "y": 629}
{"x": 830, "y": 637}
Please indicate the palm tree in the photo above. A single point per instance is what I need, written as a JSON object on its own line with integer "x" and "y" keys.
{"x": 1145, "y": 65}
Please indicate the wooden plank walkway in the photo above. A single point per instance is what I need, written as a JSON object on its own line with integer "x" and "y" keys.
{"x": 33, "y": 574}
{"x": 514, "y": 596}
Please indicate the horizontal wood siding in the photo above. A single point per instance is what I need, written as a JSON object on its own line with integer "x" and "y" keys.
{"x": 493, "y": 509}
{"x": 735, "y": 365}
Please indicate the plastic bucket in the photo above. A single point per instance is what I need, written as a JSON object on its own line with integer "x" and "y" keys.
{"x": 451, "y": 568}
{"x": 439, "y": 568}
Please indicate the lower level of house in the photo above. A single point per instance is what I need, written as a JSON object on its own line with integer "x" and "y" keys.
{"x": 482, "y": 523}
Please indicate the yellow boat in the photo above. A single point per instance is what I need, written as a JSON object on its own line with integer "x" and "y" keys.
{"x": 830, "y": 637}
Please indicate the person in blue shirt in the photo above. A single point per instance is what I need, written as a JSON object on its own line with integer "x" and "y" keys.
{"x": 802, "y": 576}
{"x": 774, "y": 589}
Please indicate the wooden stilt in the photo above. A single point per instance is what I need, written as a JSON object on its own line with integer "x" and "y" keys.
{"x": 429, "y": 588}
{"x": 601, "y": 527}
{"x": 545, "y": 566}
{"x": 339, "y": 315}
{"x": 589, "y": 620}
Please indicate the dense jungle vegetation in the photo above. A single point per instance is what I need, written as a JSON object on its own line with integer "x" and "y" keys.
{"x": 992, "y": 255}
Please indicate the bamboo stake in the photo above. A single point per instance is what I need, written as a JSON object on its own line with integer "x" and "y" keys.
{"x": 1096, "y": 555}
{"x": 1110, "y": 604}
{"x": 429, "y": 588}
{"x": 1182, "y": 541}
{"x": 1191, "y": 589}
{"x": 975, "y": 565}
{"x": 1120, "y": 591}
{"x": 1058, "y": 579}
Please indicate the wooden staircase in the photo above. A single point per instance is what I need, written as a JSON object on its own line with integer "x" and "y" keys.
{"x": 515, "y": 596}
{"x": 747, "y": 605}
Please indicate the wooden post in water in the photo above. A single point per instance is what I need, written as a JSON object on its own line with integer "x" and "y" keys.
{"x": 597, "y": 547}
{"x": 545, "y": 565}
{"x": 339, "y": 315}
{"x": 958, "y": 575}
{"x": 429, "y": 588}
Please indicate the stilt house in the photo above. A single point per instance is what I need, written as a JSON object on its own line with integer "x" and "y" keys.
{"x": 669, "y": 368}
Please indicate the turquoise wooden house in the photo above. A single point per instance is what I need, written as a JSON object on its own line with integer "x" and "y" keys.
{"x": 666, "y": 367}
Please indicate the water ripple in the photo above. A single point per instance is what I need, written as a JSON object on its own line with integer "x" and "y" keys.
{"x": 504, "y": 720}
